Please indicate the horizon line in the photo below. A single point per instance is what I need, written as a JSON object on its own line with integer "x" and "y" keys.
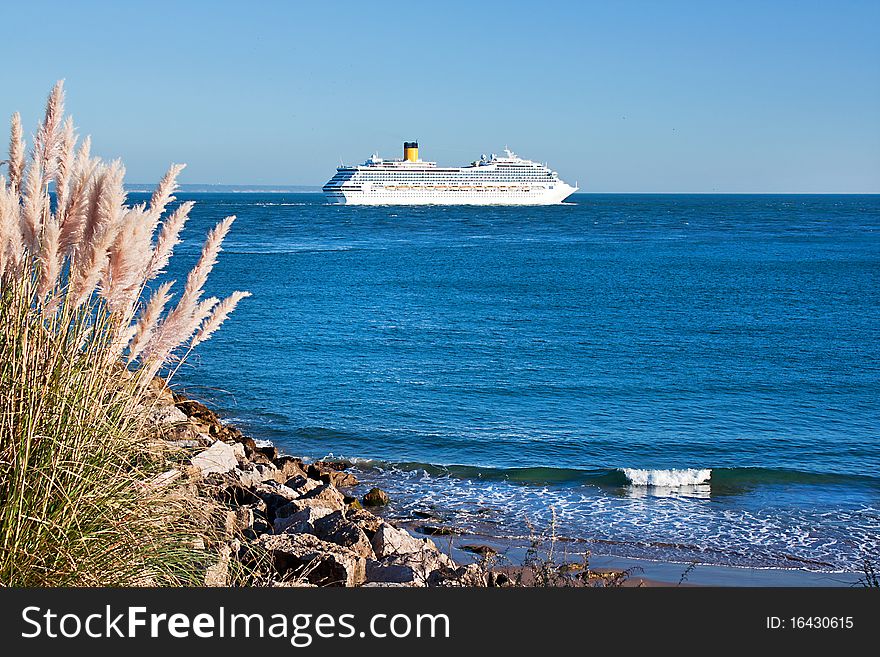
{"x": 306, "y": 189}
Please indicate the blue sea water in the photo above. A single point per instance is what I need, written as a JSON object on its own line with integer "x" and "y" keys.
{"x": 512, "y": 366}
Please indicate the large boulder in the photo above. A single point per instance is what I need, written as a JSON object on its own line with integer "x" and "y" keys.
{"x": 334, "y": 528}
{"x": 275, "y": 496}
{"x": 471, "y": 575}
{"x": 391, "y": 573}
{"x": 327, "y": 493}
{"x": 368, "y": 523}
{"x": 288, "y": 467}
{"x": 376, "y": 497}
{"x": 218, "y": 458}
{"x": 296, "y": 518}
{"x": 166, "y": 415}
{"x": 307, "y": 557}
{"x": 302, "y": 484}
{"x": 332, "y": 472}
{"x": 389, "y": 541}
{"x": 397, "y": 547}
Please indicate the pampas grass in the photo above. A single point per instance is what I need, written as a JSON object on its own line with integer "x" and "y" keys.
{"x": 79, "y": 345}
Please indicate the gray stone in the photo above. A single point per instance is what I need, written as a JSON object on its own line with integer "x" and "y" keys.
{"x": 165, "y": 415}
{"x": 471, "y": 575}
{"x": 334, "y": 528}
{"x": 307, "y": 558}
{"x": 295, "y": 518}
{"x": 329, "y": 494}
{"x": 302, "y": 484}
{"x": 218, "y": 458}
{"x": 390, "y": 541}
{"x": 391, "y": 573}
{"x": 397, "y": 547}
{"x": 368, "y": 523}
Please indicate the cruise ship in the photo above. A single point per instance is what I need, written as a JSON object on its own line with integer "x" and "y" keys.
{"x": 491, "y": 180}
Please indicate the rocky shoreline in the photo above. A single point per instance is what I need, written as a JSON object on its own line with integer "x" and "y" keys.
{"x": 283, "y": 522}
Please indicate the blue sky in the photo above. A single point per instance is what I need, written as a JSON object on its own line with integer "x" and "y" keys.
{"x": 619, "y": 96}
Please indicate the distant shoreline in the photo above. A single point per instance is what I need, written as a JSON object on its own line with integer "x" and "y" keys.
{"x": 147, "y": 188}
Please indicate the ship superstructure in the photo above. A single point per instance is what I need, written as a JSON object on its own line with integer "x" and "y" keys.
{"x": 491, "y": 180}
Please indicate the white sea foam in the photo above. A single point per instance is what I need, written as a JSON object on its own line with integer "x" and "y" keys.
{"x": 667, "y": 478}
{"x": 264, "y": 443}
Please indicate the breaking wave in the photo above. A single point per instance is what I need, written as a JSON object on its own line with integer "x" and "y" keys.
{"x": 667, "y": 478}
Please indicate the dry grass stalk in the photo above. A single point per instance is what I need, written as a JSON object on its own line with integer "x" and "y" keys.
{"x": 78, "y": 347}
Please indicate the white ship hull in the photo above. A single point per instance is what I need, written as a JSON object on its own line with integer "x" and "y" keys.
{"x": 423, "y": 197}
{"x": 495, "y": 180}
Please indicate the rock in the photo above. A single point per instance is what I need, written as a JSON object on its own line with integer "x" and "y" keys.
{"x": 482, "y": 550}
{"x": 334, "y": 528}
{"x": 368, "y": 523}
{"x": 249, "y": 478}
{"x": 288, "y": 467}
{"x": 164, "y": 479}
{"x": 268, "y": 451}
{"x": 396, "y": 547}
{"x": 331, "y": 472}
{"x": 343, "y": 479}
{"x": 164, "y": 415}
{"x": 306, "y": 557}
{"x": 438, "y": 530}
{"x": 244, "y": 518}
{"x": 158, "y": 390}
{"x": 195, "y": 410}
{"x": 471, "y": 575}
{"x": 302, "y": 484}
{"x": 272, "y": 583}
{"x": 207, "y": 420}
{"x": 327, "y": 493}
{"x": 390, "y": 541}
{"x": 496, "y": 579}
{"x": 240, "y": 454}
{"x": 376, "y": 585}
{"x": 275, "y": 496}
{"x": 218, "y": 458}
{"x": 218, "y": 574}
{"x": 385, "y": 573}
{"x": 376, "y": 497}
{"x": 298, "y": 519}
{"x": 251, "y": 475}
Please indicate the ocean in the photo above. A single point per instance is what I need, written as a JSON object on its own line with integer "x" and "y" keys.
{"x": 689, "y": 378}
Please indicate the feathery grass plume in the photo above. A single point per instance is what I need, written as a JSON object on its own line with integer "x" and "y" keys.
{"x": 180, "y": 323}
{"x": 76, "y": 206}
{"x": 11, "y": 245}
{"x": 165, "y": 190}
{"x": 47, "y": 142}
{"x": 92, "y": 266}
{"x": 34, "y": 202}
{"x": 169, "y": 237}
{"x": 129, "y": 257}
{"x": 149, "y": 317}
{"x": 16, "y": 153}
{"x": 49, "y": 259}
{"x": 75, "y": 457}
{"x": 218, "y": 316}
{"x": 64, "y": 167}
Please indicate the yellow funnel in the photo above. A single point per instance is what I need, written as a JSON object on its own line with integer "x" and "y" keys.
{"x": 411, "y": 151}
